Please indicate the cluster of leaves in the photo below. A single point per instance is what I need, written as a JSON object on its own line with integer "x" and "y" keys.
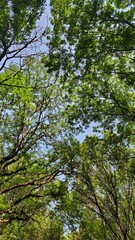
{"x": 18, "y": 27}
{"x": 45, "y": 226}
{"x": 94, "y": 44}
{"x": 12, "y": 26}
{"x": 31, "y": 121}
{"x": 100, "y": 202}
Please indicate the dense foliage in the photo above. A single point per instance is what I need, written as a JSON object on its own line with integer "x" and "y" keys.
{"x": 66, "y": 189}
{"x": 31, "y": 121}
{"x": 18, "y": 28}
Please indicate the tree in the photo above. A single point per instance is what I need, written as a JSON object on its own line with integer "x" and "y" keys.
{"x": 31, "y": 122}
{"x": 46, "y": 226}
{"x": 31, "y": 103}
{"x": 93, "y": 45}
{"x": 100, "y": 202}
{"x": 18, "y": 28}
{"x": 92, "y": 50}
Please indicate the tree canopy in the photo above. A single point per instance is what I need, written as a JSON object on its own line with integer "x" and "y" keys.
{"x": 64, "y": 188}
{"x": 18, "y": 27}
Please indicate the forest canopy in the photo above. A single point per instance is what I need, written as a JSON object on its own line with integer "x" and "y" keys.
{"x": 53, "y": 185}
